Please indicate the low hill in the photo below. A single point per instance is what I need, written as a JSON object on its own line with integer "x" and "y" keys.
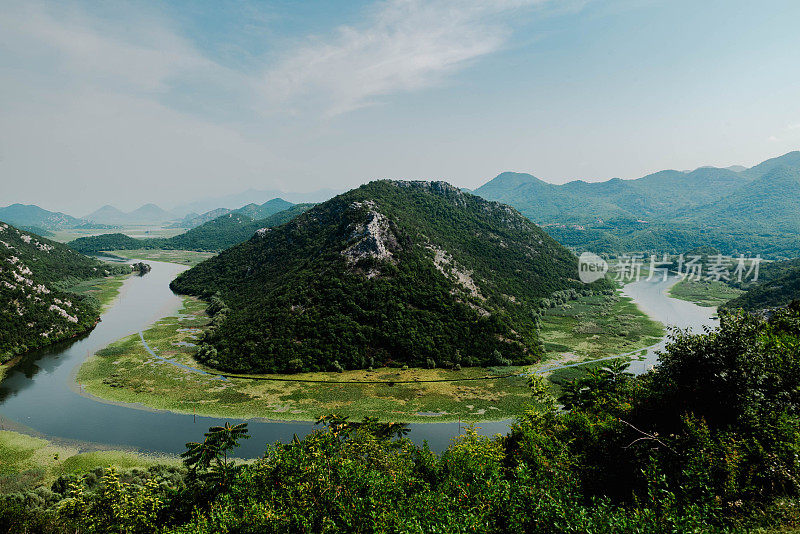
{"x": 772, "y": 294}
{"x": 213, "y": 236}
{"x": 270, "y": 207}
{"x": 394, "y": 272}
{"x": 34, "y": 309}
{"x": 778, "y": 285}
{"x": 252, "y": 210}
{"x": 33, "y": 216}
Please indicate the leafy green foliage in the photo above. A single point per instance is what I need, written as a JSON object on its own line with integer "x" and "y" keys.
{"x": 708, "y": 441}
{"x": 390, "y": 273}
{"x": 208, "y": 460}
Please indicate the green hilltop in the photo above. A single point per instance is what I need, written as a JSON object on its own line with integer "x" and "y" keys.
{"x": 390, "y": 273}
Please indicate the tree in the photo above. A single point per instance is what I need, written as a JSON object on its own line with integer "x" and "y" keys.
{"x": 209, "y": 459}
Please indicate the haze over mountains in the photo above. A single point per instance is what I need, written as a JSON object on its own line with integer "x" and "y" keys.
{"x": 29, "y": 215}
{"x": 212, "y": 236}
{"x": 753, "y": 210}
{"x": 252, "y": 210}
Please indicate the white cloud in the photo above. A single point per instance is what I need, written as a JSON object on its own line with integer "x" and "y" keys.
{"x": 113, "y": 103}
{"x": 795, "y": 126}
{"x": 404, "y": 45}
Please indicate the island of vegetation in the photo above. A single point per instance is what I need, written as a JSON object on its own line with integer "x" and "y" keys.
{"x": 392, "y": 273}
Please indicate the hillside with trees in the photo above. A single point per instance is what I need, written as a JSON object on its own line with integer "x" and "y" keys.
{"x": 35, "y": 309}
{"x": 212, "y": 236}
{"x": 394, "y": 272}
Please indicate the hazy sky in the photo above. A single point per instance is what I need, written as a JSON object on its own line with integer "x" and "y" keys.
{"x": 132, "y": 102}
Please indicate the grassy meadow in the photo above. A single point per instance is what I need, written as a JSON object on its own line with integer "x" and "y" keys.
{"x": 597, "y": 326}
{"x": 27, "y": 461}
{"x": 126, "y": 372}
{"x": 705, "y": 293}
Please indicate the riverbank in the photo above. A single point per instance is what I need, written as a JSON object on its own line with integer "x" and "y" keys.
{"x": 27, "y": 461}
{"x": 104, "y": 290}
{"x": 168, "y": 378}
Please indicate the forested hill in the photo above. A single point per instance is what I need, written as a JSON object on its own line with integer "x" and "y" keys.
{"x": 213, "y": 236}
{"x": 418, "y": 273}
{"x": 34, "y": 310}
{"x": 778, "y": 285}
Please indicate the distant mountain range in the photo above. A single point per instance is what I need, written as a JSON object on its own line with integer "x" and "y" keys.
{"x": 746, "y": 210}
{"x": 147, "y": 214}
{"x": 28, "y": 215}
{"x": 252, "y": 210}
{"x": 251, "y": 196}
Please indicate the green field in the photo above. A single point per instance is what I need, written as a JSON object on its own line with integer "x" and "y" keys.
{"x": 184, "y": 257}
{"x": 27, "y": 461}
{"x": 597, "y": 326}
{"x": 704, "y": 293}
{"x": 105, "y": 290}
{"x": 125, "y": 372}
{"x": 134, "y": 230}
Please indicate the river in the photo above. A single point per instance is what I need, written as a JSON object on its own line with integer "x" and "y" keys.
{"x": 39, "y": 394}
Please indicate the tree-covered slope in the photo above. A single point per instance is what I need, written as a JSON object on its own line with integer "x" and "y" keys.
{"x": 753, "y": 211}
{"x": 419, "y": 273}
{"x": 34, "y": 310}
{"x": 778, "y": 285}
{"x": 215, "y": 235}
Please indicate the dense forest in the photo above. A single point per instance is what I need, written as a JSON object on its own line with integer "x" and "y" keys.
{"x": 212, "y": 236}
{"x": 391, "y": 273}
{"x": 778, "y": 285}
{"x": 706, "y": 442}
{"x": 35, "y": 309}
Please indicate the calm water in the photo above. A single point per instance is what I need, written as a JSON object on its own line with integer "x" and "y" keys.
{"x": 39, "y": 393}
{"x": 652, "y": 298}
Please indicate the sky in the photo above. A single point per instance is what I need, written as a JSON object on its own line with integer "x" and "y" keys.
{"x": 125, "y": 103}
